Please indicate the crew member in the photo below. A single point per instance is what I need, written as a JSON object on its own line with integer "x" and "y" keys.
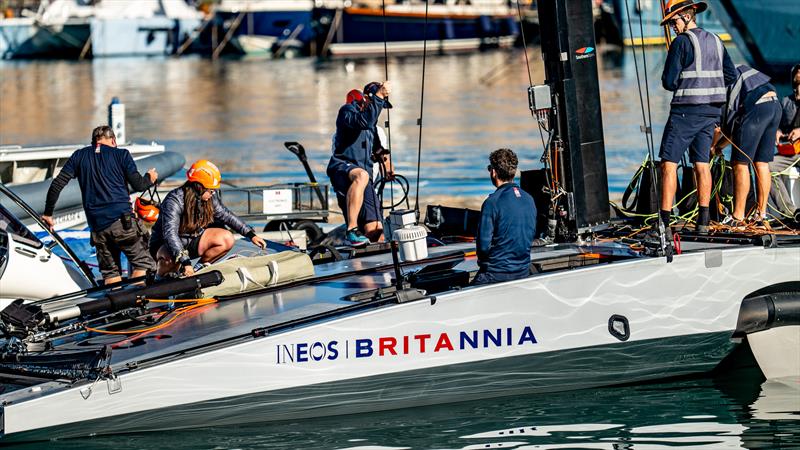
{"x": 751, "y": 118}
{"x": 102, "y": 171}
{"x": 507, "y": 226}
{"x": 183, "y": 232}
{"x": 697, "y": 70}
{"x": 788, "y": 133}
{"x": 350, "y": 166}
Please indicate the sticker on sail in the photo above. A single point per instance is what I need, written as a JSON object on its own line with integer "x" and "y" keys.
{"x": 584, "y": 52}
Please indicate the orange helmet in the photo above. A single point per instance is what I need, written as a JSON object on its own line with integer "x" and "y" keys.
{"x": 205, "y": 173}
{"x": 146, "y": 210}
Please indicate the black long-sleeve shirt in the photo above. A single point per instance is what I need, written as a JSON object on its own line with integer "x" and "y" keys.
{"x": 102, "y": 173}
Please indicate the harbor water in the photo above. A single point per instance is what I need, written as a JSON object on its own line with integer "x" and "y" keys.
{"x": 239, "y": 113}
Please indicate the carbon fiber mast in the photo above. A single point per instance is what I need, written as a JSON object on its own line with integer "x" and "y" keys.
{"x": 575, "y": 154}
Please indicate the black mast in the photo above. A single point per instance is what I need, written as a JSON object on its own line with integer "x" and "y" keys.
{"x": 570, "y": 62}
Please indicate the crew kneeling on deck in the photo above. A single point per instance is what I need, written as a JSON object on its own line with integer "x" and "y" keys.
{"x": 187, "y": 226}
{"x": 507, "y": 226}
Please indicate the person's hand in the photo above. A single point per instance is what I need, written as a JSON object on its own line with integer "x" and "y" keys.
{"x": 188, "y": 271}
{"x": 385, "y": 90}
{"x": 794, "y": 135}
{"x": 778, "y": 136}
{"x": 49, "y": 221}
{"x": 152, "y": 174}
{"x": 258, "y": 242}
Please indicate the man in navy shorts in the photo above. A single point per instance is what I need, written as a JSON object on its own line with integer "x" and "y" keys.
{"x": 751, "y": 118}
{"x": 697, "y": 71}
{"x": 350, "y": 166}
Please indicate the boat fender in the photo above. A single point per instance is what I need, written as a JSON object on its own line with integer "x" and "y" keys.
{"x": 244, "y": 274}
{"x": 768, "y": 311}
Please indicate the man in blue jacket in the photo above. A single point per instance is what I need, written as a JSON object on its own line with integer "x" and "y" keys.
{"x": 507, "y": 226}
{"x": 103, "y": 172}
{"x": 697, "y": 71}
{"x": 350, "y": 166}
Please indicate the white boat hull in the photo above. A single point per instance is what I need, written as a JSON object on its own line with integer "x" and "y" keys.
{"x": 545, "y": 333}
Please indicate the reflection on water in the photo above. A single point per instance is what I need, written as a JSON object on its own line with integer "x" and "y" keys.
{"x": 239, "y": 112}
{"x": 735, "y": 411}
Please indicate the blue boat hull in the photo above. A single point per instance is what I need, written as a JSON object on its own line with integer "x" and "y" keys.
{"x": 362, "y": 32}
{"x": 767, "y": 32}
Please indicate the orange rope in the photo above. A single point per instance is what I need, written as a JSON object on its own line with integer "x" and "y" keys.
{"x": 200, "y": 302}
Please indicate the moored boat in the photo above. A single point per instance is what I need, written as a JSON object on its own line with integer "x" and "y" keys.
{"x": 451, "y": 26}
{"x": 763, "y": 31}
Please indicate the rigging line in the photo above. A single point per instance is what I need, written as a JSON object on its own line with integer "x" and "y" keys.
{"x": 388, "y": 114}
{"x": 648, "y": 129}
{"x": 649, "y": 126}
{"x": 545, "y": 146}
{"x": 667, "y": 30}
{"x": 421, "y": 104}
{"x": 524, "y": 45}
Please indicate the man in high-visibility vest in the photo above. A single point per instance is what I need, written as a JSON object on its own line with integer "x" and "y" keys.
{"x": 697, "y": 71}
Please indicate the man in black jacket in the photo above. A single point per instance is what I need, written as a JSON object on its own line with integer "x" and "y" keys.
{"x": 102, "y": 171}
{"x": 350, "y": 166}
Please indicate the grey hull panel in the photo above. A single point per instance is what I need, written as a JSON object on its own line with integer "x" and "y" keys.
{"x": 607, "y": 365}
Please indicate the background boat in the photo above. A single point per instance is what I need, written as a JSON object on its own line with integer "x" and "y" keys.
{"x": 66, "y": 29}
{"x": 767, "y": 32}
{"x": 452, "y": 26}
{"x": 266, "y": 27}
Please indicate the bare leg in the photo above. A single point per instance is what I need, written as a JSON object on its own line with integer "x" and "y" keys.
{"x": 764, "y": 185}
{"x": 669, "y": 182}
{"x": 165, "y": 263}
{"x": 374, "y": 231}
{"x": 112, "y": 280}
{"x": 214, "y": 244}
{"x": 741, "y": 187}
{"x": 702, "y": 172}
{"x": 355, "y": 195}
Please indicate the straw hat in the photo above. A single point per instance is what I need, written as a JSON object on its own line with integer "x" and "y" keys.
{"x": 676, "y": 6}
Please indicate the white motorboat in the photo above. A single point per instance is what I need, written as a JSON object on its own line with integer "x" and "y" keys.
{"x": 29, "y": 171}
{"x": 285, "y": 336}
{"x": 20, "y": 165}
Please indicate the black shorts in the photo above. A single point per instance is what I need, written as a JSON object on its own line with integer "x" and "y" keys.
{"x": 115, "y": 240}
{"x": 370, "y": 209}
{"x": 190, "y": 243}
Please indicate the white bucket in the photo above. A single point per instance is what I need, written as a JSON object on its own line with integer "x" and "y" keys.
{"x": 413, "y": 245}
